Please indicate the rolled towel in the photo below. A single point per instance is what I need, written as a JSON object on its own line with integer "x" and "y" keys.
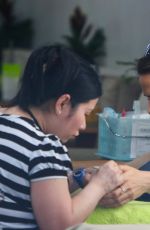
{"x": 135, "y": 212}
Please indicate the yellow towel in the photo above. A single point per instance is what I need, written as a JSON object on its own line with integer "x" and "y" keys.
{"x": 135, "y": 212}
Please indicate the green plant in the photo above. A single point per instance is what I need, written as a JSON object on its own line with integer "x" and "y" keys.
{"x": 127, "y": 76}
{"x": 84, "y": 40}
{"x": 14, "y": 33}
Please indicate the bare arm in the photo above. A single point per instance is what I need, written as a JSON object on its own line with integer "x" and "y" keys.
{"x": 55, "y": 209}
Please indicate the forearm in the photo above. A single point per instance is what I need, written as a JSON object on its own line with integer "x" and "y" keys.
{"x": 85, "y": 202}
{"x": 55, "y": 199}
{"x": 89, "y": 197}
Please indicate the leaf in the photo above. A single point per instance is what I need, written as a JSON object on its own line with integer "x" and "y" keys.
{"x": 96, "y": 43}
{"x": 126, "y": 63}
{"x": 77, "y": 21}
{"x": 86, "y": 32}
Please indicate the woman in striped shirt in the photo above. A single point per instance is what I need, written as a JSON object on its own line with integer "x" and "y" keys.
{"x": 58, "y": 89}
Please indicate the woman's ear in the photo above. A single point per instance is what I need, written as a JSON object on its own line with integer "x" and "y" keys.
{"x": 61, "y": 103}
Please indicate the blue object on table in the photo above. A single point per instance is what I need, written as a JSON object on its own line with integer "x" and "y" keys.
{"x": 113, "y": 141}
{"x": 145, "y": 196}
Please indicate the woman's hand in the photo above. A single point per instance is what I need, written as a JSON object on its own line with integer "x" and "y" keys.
{"x": 108, "y": 170}
{"x": 109, "y": 176}
{"x": 136, "y": 183}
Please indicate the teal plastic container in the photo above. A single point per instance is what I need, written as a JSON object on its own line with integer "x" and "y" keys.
{"x": 114, "y": 138}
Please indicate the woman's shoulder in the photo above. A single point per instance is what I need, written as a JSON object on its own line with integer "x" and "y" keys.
{"x": 28, "y": 132}
{"x": 21, "y": 131}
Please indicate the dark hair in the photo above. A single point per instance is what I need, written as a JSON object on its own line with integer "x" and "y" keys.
{"x": 52, "y": 71}
{"x": 143, "y": 65}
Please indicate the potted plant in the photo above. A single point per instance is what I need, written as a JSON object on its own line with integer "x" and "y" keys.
{"x": 84, "y": 39}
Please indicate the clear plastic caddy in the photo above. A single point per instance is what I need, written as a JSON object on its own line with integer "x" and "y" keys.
{"x": 123, "y": 138}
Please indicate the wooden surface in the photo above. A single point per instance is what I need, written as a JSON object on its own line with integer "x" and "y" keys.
{"x": 137, "y": 163}
{"x": 88, "y": 163}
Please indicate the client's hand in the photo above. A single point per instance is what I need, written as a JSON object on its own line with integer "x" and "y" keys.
{"x": 134, "y": 186}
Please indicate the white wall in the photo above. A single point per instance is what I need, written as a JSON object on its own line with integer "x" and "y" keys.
{"x": 126, "y": 23}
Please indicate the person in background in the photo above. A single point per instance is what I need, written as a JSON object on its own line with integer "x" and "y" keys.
{"x": 137, "y": 182}
{"x": 58, "y": 90}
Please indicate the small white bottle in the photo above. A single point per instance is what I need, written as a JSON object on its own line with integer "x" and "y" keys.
{"x": 136, "y": 108}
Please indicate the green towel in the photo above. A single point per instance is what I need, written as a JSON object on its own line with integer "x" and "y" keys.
{"x": 135, "y": 212}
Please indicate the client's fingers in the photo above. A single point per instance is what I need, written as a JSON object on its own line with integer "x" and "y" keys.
{"x": 117, "y": 198}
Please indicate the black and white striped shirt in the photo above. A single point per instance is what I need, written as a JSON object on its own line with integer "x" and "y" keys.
{"x": 26, "y": 154}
